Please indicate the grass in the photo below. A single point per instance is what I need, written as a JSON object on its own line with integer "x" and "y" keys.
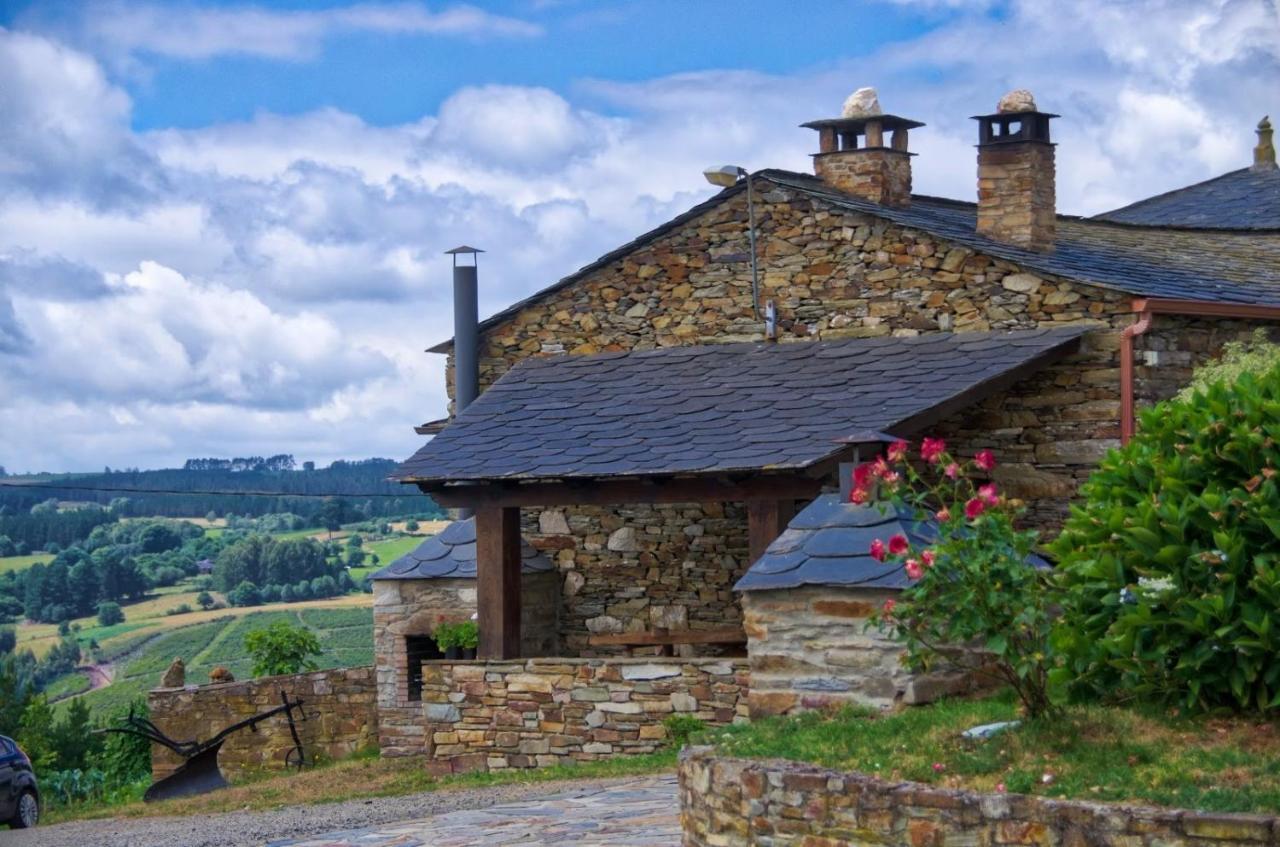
{"x": 17, "y": 563}
{"x": 361, "y": 777}
{"x": 1090, "y": 752}
{"x": 66, "y": 686}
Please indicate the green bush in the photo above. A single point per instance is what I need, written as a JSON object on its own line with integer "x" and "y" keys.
{"x": 1256, "y": 356}
{"x": 282, "y": 648}
{"x": 683, "y": 728}
{"x": 1170, "y": 563}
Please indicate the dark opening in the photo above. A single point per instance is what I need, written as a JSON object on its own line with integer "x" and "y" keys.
{"x": 418, "y": 649}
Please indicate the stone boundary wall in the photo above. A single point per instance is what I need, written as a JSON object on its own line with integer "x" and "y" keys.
{"x": 736, "y": 802}
{"x": 340, "y": 706}
{"x": 537, "y": 712}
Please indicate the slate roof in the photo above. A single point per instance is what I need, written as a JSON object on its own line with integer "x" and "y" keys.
{"x": 719, "y": 408}
{"x": 1243, "y": 199}
{"x": 829, "y": 543}
{"x": 1217, "y": 265}
{"x": 451, "y": 554}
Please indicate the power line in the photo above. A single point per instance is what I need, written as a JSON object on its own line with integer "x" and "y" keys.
{"x": 176, "y": 492}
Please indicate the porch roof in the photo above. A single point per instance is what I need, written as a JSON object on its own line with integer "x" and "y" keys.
{"x": 720, "y": 409}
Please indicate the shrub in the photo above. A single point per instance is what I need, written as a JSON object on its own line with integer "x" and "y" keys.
{"x": 973, "y": 585}
{"x": 1171, "y": 562}
{"x": 682, "y": 729}
{"x": 180, "y": 609}
{"x": 109, "y": 614}
{"x": 245, "y": 594}
{"x": 205, "y": 599}
{"x": 1257, "y": 356}
{"x": 281, "y": 649}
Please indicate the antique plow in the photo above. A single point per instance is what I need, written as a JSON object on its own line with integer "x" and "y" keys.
{"x": 199, "y": 773}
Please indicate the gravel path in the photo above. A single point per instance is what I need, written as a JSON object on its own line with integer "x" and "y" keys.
{"x": 240, "y": 829}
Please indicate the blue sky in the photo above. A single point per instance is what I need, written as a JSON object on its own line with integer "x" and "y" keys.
{"x": 221, "y": 224}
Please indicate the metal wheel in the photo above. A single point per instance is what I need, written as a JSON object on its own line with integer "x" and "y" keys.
{"x": 28, "y": 811}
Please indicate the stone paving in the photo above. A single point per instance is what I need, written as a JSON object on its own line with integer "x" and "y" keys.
{"x": 642, "y": 813}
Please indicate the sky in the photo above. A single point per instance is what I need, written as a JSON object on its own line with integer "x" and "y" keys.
{"x": 222, "y": 224}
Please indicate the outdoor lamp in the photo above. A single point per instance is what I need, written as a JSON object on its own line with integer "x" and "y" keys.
{"x": 727, "y": 176}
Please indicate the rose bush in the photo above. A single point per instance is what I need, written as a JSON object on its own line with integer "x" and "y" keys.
{"x": 973, "y": 585}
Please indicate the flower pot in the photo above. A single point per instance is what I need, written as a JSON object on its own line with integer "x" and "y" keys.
{"x": 468, "y": 652}
{"x": 453, "y": 654}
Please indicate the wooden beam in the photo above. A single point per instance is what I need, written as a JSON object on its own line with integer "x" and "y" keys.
{"x": 608, "y": 492}
{"x": 766, "y": 519}
{"x": 498, "y": 581}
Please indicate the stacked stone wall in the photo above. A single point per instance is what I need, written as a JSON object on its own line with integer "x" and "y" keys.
{"x": 813, "y": 648}
{"x": 340, "y": 707}
{"x": 539, "y": 712}
{"x": 741, "y": 803}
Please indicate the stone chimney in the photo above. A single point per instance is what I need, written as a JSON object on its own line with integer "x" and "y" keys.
{"x": 853, "y": 157}
{"x": 1264, "y": 155}
{"x": 1016, "y": 174}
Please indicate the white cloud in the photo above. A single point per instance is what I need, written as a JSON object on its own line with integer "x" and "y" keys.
{"x": 269, "y": 285}
{"x": 193, "y": 32}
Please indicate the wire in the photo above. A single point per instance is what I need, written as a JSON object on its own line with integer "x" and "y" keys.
{"x": 198, "y": 492}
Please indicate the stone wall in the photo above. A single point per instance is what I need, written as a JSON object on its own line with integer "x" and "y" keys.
{"x": 340, "y": 707}
{"x": 736, "y": 803}
{"x": 812, "y": 648}
{"x": 405, "y": 607}
{"x": 538, "y": 712}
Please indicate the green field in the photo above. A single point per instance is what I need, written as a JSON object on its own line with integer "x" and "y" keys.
{"x": 345, "y": 634}
{"x": 17, "y": 563}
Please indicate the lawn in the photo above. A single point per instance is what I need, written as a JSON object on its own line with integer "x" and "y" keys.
{"x": 359, "y": 777}
{"x": 1091, "y": 752}
{"x": 17, "y": 563}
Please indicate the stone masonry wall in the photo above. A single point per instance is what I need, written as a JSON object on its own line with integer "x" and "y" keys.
{"x": 340, "y": 707}
{"x": 834, "y": 274}
{"x": 403, "y": 607}
{"x": 741, "y": 803}
{"x": 812, "y": 648}
{"x": 538, "y": 712}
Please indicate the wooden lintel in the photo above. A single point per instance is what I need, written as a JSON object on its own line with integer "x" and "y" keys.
{"x": 609, "y": 492}
{"x": 766, "y": 519}
{"x": 498, "y": 581}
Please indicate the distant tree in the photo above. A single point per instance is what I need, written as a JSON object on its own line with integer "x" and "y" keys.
{"x": 46, "y": 507}
{"x": 73, "y": 741}
{"x": 286, "y": 594}
{"x": 411, "y": 525}
{"x": 36, "y": 733}
{"x": 245, "y": 594}
{"x": 306, "y": 466}
{"x": 212, "y": 516}
{"x": 3, "y": 474}
{"x": 119, "y": 505}
{"x": 8, "y": 640}
{"x": 6, "y": 546}
{"x": 64, "y": 628}
{"x": 355, "y": 557}
{"x": 281, "y": 649}
{"x": 205, "y": 599}
{"x": 109, "y": 614}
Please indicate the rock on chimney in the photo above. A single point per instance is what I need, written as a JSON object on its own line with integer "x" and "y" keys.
{"x": 1016, "y": 182}
{"x": 853, "y": 157}
{"x": 1264, "y": 155}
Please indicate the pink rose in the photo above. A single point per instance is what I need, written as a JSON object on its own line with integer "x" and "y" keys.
{"x": 888, "y": 606}
{"x": 985, "y": 459}
{"x": 877, "y": 550}
{"x": 952, "y": 471}
{"x": 914, "y": 571}
{"x": 931, "y": 449}
{"x": 974, "y": 508}
{"x": 988, "y": 494}
{"x": 858, "y": 496}
{"x": 863, "y": 474}
{"x": 927, "y": 557}
{"x": 898, "y": 544}
{"x": 897, "y": 451}
{"x": 943, "y": 515}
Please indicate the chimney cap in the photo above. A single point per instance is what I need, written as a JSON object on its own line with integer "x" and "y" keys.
{"x": 463, "y": 249}
{"x": 888, "y": 122}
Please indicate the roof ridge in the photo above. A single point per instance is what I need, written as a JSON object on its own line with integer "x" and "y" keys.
{"x": 1154, "y": 197}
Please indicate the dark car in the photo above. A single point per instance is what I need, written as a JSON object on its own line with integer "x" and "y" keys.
{"x": 19, "y": 795}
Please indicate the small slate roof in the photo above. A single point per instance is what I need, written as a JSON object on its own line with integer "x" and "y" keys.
{"x": 829, "y": 543}
{"x": 451, "y": 554}
{"x": 719, "y": 408}
{"x": 1243, "y": 199}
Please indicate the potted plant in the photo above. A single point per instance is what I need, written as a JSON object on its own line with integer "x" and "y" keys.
{"x": 468, "y": 634}
{"x": 448, "y": 639}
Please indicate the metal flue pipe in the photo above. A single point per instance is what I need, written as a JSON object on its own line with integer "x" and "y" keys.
{"x": 466, "y": 334}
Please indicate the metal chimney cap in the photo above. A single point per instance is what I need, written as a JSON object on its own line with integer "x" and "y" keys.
{"x": 463, "y": 249}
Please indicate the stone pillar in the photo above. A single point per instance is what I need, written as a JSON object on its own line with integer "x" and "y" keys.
{"x": 881, "y": 175}
{"x": 1016, "y": 194}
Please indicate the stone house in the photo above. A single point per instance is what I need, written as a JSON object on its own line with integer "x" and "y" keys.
{"x": 651, "y": 422}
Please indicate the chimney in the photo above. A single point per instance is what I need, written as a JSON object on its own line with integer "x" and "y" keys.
{"x": 1264, "y": 155}
{"x": 1016, "y": 174}
{"x": 852, "y": 156}
{"x": 466, "y": 329}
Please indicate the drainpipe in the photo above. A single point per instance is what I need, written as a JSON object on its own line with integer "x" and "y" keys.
{"x": 1146, "y": 309}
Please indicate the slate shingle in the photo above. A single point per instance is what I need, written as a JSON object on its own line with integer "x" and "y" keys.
{"x": 688, "y": 410}
{"x": 451, "y": 554}
{"x": 1243, "y": 199}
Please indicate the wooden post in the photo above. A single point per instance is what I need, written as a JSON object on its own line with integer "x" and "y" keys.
{"x": 498, "y": 581}
{"x": 766, "y": 519}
